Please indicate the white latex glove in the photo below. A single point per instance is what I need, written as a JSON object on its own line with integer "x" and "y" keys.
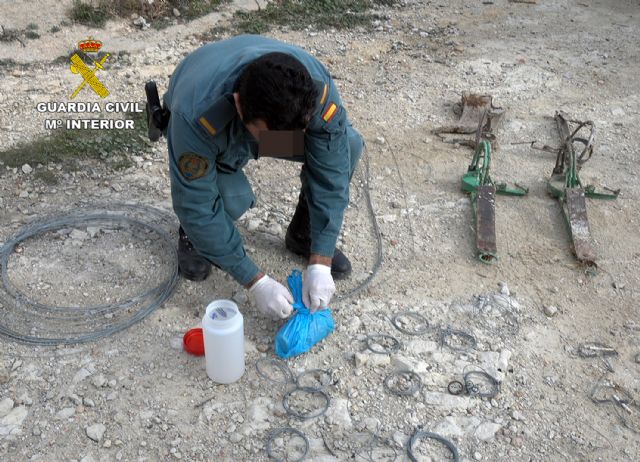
{"x": 317, "y": 287}
{"x": 272, "y": 298}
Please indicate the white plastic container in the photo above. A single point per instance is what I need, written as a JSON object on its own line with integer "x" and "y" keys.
{"x": 223, "y": 329}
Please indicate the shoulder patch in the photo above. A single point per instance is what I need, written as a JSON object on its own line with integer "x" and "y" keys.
{"x": 192, "y": 166}
{"x": 331, "y": 111}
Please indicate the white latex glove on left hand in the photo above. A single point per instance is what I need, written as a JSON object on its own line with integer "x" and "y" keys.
{"x": 317, "y": 287}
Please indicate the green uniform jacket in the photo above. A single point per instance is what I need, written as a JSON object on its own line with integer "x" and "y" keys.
{"x": 204, "y": 122}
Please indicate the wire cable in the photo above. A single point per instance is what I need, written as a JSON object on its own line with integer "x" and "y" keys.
{"x": 376, "y": 231}
{"x": 28, "y": 321}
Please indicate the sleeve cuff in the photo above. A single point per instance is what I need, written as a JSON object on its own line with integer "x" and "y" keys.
{"x": 324, "y": 245}
{"x": 244, "y": 271}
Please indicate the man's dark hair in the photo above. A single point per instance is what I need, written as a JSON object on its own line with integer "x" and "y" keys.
{"x": 278, "y": 89}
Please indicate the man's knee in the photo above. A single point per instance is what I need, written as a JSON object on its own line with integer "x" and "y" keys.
{"x": 236, "y": 205}
{"x": 236, "y": 193}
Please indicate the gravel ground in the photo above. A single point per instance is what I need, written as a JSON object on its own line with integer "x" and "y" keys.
{"x": 137, "y": 396}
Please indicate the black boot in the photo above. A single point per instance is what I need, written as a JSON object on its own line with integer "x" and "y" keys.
{"x": 192, "y": 265}
{"x": 298, "y": 240}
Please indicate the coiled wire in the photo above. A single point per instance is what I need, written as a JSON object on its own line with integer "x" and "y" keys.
{"x": 57, "y": 325}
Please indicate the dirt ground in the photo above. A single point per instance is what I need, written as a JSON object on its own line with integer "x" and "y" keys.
{"x": 136, "y": 395}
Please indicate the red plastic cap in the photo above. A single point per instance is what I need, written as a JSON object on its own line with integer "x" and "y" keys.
{"x": 193, "y": 342}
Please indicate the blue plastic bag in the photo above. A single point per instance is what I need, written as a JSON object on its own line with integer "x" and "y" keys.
{"x": 304, "y": 329}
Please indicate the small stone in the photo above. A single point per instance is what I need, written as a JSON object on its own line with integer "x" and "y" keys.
{"x": 477, "y": 456}
{"x": 65, "y": 413}
{"x": 176, "y": 343}
{"x": 617, "y": 111}
{"x": 88, "y": 402}
{"x": 88, "y": 458}
{"x": 5, "y": 406}
{"x": 15, "y": 417}
{"x": 372, "y": 360}
{"x": 78, "y": 235}
{"x": 503, "y": 360}
{"x": 253, "y": 225}
{"x": 26, "y": 169}
{"x": 107, "y": 444}
{"x": 517, "y": 442}
{"x": 96, "y": 432}
{"x": 99, "y": 381}
{"x": 380, "y": 140}
{"x": 517, "y": 415}
{"x": 176, "y": 12}
{"x": 25, "y": 399}
{"x": 338, "y": 414}
{"x": 93, "y": 231}
{"x": 487, "y": 431}
{"x": 240, "y": 297}
{"x": 550, "y": 310}
{"x": 236, "y": 438}
{"x": 372, "y": 424}
{"x": 504, "y": 289}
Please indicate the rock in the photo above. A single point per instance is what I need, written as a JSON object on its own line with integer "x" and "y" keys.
{"x": 88, "y": 402}
{"x": 405, "y": 363}
{"x": 258, "y": 417}
{"x": 15, "y": 417}
{"x": 504, "y": 289}
{"x": 65, "y": 413}
{"x": 503, "y": 360}
{"x": 354, "y": 324}
{"x": 253, "y": 225}
{"x": 477, "y": 456}
{"x": 78, "y": 235}
{"x": 275, "y": 229}
{"x": 446, "y": 400}
{"x": 422, "y": 346}
{"x": 5, "y": 406}
{"x": 176, "y": 343}
{"x": 99, "y": 381}
{"x": 93, "y": 231}
{"x": 616, "y": 111}
{"x": 24, "y": 399}
{"x": 372, "y": 424}
{"x": 176, "y": 12}
{"x": 380, "y": 140}
{"x": 400, "y": 439}
{"x": 487, "y": 431}
{"x": 26, "y": 169}
{"x": 517, "y": 442}
{"x": 240, "y": 297}
{"x": 489, "y": 362}
{"x": 338, "y": 414}
{"x": 235, "y": 438}
{"x": 371, "y": 359}
{"x": 550, "y": 310}
{"x": 96, "y": 432}
{"x": 517, "y": 415}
